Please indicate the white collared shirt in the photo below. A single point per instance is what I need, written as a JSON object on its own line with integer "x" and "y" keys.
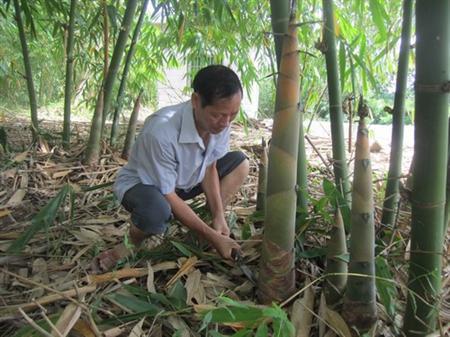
{"x": 169, "y": 153}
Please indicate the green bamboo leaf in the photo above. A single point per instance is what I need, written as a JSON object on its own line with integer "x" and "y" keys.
{"x": 262, "y": 331}
{"x": 379, "y": 17}
{"x": 313, "y": 253}
{"x": 182, "y": 248}
{"x": 228, "y": 8}
{"x": 236, "y": 314}
{"x": 243, "y": 333}
{"x": 337, "y": 201}
{"x": 113, "y": 16}
{"x": 42, "y": 220}
{"x": 386, "y": 289}
{"x": 135, "y": 304}
{"x": 177, "y": 295}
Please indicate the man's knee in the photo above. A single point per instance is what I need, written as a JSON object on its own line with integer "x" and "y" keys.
{"x": 152, "y": 218}
{"x": 150, "y": 211}
{"x": 232, "y": 163}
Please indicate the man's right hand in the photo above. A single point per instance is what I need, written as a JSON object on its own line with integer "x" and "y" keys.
{"x": 225, "y": 245}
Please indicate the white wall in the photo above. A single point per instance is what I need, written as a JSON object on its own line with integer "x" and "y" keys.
{"x": 170, "y": 91}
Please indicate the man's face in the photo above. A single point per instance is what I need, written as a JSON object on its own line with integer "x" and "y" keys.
{"x": 216, "y": 117}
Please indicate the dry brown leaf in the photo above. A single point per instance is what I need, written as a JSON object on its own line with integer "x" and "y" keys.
{"x": 150, "y": 279}
{"x": 51, "y": 298}
{"x": 87, "y": 236}
{"x": 100, "y": 220}
{"x": 4, "y": 212}
{"x": 335, "y": 321}
{"x": 24, "y": 179}
{"x": 20, "y": 157}
{"x": 179, "y": 325}
{"x": 40, "y": 275}
{"x": 112, "y": 231}
{"x": 322, "y": 315}
{"x": 16, "y": 198}
{"x": 67, "y": 320}
{"x": 8, "y": 174}
{"x": 83, "y": 328}
{"x": 185, "y": 268}
{"x": 244, "y": 211}
{"x": 137, "y": 330}
{"x": 60, "y": 174}
{"x": 302, "y": 312}
{"x": 214, "y": 280}
{"x": 194, "y": 288}
{"x": 128, "y": 272}
{"x": 201, "y": 308}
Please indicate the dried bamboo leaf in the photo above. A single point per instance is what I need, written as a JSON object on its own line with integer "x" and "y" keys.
{"x": 24, "y": 179}
{"x": 20, "y": 157}
{"x": 60, "y": 174}
{"x": 137, "y": 330}
{"x": 49, "y": 299}
{"x": 40, "y": 275}
{"x": 68, "y": 319}
{"x": 17, "y": 198}
{"x": 194, "y": 288}
{"x": 179, "y": 325}
{"x": 4, "y": 212}
{"x": 302, "y": 312}
{"x": 150, "y": 279}
{"x": 185, "y": 268}
{"x": 83, "y": 328}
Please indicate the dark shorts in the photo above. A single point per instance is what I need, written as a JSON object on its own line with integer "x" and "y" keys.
{"x": 149, "y": 209}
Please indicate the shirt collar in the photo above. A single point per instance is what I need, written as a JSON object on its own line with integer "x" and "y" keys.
{"x": 188, "y": 132}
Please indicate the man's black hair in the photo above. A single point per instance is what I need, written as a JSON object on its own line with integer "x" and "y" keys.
{"x": 215, "y": 82}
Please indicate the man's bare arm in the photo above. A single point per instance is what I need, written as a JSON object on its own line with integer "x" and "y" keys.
{"x": 211, "y": 187}
{"x": 187, "y": 217}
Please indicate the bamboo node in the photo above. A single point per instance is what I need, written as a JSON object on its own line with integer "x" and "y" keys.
{"x": 432, "y": 87}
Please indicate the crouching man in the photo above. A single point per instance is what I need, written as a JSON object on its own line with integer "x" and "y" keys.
{"x": 182, "y": 151}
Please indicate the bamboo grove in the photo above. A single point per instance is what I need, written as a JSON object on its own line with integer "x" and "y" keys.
{"x": 351, "y": 276}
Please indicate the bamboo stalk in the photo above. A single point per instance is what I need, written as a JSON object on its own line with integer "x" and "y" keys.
{"x": 430, "y": 166}
{"x": 360, "y": 308}
{"x": 277, "y": 277}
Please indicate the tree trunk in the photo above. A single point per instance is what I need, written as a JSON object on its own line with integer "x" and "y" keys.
{"x": 123, "y": 82}
{"x": 360, "y": 307}
{"x": 69, "y": 76}
{"x": 117, "y": 57}
{"x": 334, "y": 95}
{"x": 277, "y": 277}
{"x": 430, "y": 168}
{"x": 28, "y": 72}
{"x": 395, "y": 162}
{"x": 105, "y": 93}
{"x": 131, "y": 132}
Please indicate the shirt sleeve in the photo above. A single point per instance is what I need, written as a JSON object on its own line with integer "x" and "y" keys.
{"x": 158, "y": 163}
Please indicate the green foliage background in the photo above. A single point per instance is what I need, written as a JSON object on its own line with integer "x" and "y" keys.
{"x": 176, "y": 33}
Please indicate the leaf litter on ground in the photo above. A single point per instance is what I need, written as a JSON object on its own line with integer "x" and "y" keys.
{"x": 57, "y": 214}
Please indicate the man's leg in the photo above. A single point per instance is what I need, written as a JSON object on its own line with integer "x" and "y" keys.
{"x": 150, "y": 213}
{"x": 231, "y": 183}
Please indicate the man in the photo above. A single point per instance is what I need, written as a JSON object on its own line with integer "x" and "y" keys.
{"x": 181, "y": 152}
